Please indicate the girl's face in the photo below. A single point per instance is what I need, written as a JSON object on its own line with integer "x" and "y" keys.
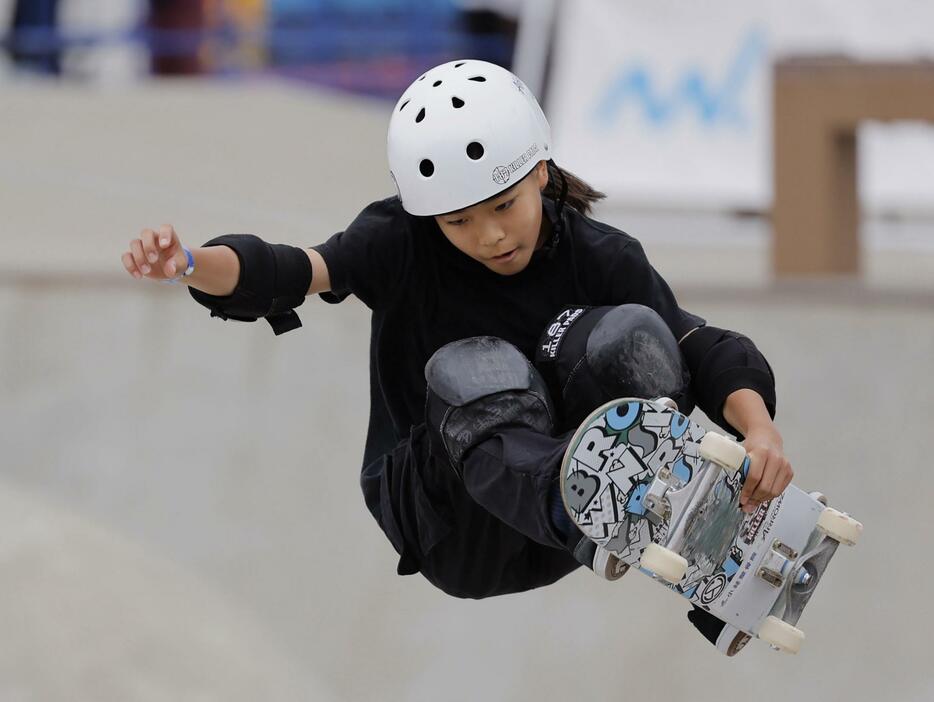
{"x": 502, "y": 233}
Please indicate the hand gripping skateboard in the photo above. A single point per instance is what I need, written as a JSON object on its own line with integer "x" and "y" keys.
{"x": 661, "y": 493}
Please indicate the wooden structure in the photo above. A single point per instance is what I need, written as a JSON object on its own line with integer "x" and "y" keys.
{"x": 818, "y": 105}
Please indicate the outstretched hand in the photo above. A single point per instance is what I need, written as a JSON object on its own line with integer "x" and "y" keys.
{"x": 157, "y": 255}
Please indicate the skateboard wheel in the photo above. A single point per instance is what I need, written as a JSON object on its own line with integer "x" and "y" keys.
{"x": 781, "y": 634}
{"x": 664, "y": 563}
{"x": 839, "y": 526}
{"x": 722, "y": 451}
{"x": 607, "y": 565}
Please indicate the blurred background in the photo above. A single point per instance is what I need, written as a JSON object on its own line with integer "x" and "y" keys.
{"x": 180, "y": 515}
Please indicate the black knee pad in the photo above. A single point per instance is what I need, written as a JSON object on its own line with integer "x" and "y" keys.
{"x": 477, "y": 386}
{"x": 590, "y": 356}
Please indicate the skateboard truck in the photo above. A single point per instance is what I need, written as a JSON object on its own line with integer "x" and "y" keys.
{"x": 665, "y": 496}
{"x": 776, "y": 563}
{"x": 657, "y": 509}
{"x": 668, "y": 499}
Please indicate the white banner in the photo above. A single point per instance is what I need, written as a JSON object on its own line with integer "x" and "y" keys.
{"x": 668, "y": 103}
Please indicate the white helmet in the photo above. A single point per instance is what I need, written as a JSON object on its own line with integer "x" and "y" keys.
{"x": 460, "y": 134}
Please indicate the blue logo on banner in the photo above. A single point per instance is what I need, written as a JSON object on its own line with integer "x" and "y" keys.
{"x": 714, "y": 103}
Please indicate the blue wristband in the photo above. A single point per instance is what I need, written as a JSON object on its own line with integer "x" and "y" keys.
{"x": 188, "y": 271}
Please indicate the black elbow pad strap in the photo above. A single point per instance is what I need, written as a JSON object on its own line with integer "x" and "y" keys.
{"x": 722, "y": 362}
{"x": 274, "y": 279}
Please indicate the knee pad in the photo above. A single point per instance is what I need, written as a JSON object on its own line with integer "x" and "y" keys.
{"x": 590, "y": 356}
{"x": 476, "y": 387}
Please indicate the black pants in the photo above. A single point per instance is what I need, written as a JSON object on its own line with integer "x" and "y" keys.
{"x": 472, "y": 538}
{"x": 509, "y": 543}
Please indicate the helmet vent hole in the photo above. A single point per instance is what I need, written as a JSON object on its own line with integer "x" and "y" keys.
{"x": 423, "y": 76}
{"x": 479, "y": 79}
{"x": 420, "y": 116}
{"x": 457, "y": 102}
{"x": 402, "y": 107}
{"x": 436, "y": 84}
{"x": 427, "y": 168}
{"x": 458, "y": 65}
{"x": 475, "y": 150}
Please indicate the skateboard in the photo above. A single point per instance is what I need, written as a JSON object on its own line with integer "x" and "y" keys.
{"x": 661, "y": 493}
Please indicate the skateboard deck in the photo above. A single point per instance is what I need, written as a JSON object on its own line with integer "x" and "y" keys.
{"x": 634, "y": 475}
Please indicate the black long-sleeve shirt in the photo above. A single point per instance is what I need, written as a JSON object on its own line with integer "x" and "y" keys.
{"x": 425, "y": 293}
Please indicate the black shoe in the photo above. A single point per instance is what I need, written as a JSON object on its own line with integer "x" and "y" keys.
{"x": 727, "y": 638}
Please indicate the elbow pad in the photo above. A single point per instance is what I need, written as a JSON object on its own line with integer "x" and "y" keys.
{"x": 274, "y": 280}
{"x": 721, "y": 362}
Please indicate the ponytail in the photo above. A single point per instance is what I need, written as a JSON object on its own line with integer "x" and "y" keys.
{"x": 566, "y": 188}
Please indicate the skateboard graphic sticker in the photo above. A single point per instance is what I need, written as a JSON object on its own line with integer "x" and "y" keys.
{"x": 610, "y": 464}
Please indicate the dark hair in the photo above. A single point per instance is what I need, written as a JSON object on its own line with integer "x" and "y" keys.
{"x": 577, "y": 193}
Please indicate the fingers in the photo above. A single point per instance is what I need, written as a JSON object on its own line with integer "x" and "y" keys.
{"x": 753, "y": 477}
{"x": 771, "y": 466}
{"x": 167, "y": 236}
{"x": 139, "y": 257}
{"x": 784, "y": 480}
{"x": 130, "y": 265}
{"x": 148, "y": 237}
{"x": 764, "y": 490}
{"x": 769, "y": 474}
{"x": 154, "y": 250}
{"x": 167, "y": 241}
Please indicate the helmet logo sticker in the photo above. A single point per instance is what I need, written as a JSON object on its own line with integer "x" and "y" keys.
{"x": 502, "y": 174}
